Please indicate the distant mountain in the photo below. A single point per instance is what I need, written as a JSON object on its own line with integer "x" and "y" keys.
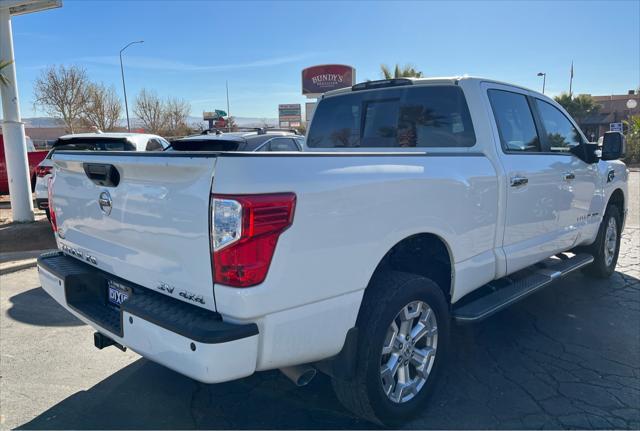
{"x": 43, "y": 122}
{"x": 240, "y": 121}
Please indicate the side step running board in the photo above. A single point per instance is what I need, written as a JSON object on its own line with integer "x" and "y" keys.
{"x": 496, "y": 300}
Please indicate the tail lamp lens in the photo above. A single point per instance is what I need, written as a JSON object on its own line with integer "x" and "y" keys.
{"x": 43, "y": 171}
{"x": 52, "y": 211}
{"x": 245, "y": 233}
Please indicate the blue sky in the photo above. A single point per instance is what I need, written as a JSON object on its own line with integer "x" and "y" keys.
{"x": 191, "y": 48}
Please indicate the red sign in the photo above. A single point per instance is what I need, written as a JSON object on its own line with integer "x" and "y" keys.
{"x": 327, "y": 77}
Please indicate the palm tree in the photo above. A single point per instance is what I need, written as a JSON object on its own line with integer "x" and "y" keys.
{"x": 578, "y": 107}
{"x": 3, "y": 79}
{"x": 406, "y": 71}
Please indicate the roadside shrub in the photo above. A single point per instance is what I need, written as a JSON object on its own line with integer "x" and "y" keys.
{"x": 633, "y": 140}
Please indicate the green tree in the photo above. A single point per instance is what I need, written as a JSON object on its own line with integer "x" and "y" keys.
{"x": 578, "y": 107}
{"x": 633, "y": 140}
{"x": 406, "y": 71}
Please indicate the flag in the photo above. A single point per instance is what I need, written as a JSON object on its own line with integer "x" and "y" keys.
{"x": 572, "y": 69}
{"x": 571, "y": 79}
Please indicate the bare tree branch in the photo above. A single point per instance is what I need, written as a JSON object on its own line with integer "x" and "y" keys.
{"x": 62, "y": 93}
{"x": 176, "y": 115}
{"x": 103, "y": 107}
{"x": 150, "y": 110}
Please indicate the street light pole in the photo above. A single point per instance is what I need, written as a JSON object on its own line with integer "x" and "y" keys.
{"x": 124, "y": 87}
{"x": 544, "y": 79}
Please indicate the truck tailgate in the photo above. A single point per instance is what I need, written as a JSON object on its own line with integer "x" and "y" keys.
{"x": 156, "y": 233}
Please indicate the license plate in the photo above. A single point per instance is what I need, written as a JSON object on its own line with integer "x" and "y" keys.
{"x": 117, "y": 293}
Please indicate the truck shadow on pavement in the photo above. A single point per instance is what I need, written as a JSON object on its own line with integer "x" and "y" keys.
{"x": 145, "y": 395}
{"x": 566, "y": 357}
{"x": 36, "y": 307}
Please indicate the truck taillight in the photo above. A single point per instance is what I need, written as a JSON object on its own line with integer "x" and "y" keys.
{"x": 52, "y": 211}
{"x": 43, "y": 171}
{"x": 245, "y": 232}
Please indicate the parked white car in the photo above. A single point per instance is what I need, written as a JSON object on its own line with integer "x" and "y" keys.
{"x": 92, "y": 142}
{"x": 420, "y": 202}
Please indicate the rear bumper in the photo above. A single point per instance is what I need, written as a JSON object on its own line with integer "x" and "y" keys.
{"x": 186, "y": 338}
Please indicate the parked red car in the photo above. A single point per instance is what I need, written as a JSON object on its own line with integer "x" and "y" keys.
{"x": 35, "y": 157}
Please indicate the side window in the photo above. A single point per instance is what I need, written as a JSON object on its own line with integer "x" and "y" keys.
{"x": 154, "y": 145}
{"x": 515, "y": 121}
{"x": 164, "y": 143}
{"x": 561, "y": 135}
{"x": 282, "y": 144}
{"x": 409, "y": 116}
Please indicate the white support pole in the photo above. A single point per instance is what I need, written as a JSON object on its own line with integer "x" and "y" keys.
{"x": 15, "y": 148}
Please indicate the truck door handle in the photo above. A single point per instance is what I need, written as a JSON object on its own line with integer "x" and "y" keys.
{"x": 518, "y": 181}
{"x": 567, "y": 176}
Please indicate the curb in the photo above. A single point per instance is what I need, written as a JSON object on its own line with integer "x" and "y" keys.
{"x": 9, "y": 267}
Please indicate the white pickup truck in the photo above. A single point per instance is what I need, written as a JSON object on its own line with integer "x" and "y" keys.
{"x": 418, "y": 203}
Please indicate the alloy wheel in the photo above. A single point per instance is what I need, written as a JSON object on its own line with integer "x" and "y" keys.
{"x": 409, "y": 352}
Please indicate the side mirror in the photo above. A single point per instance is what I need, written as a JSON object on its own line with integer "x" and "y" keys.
{"x": 613, "y": 146}
{"x": 588, "y": 152}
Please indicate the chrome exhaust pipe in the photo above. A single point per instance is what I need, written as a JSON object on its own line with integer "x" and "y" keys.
{"x": 300, "y": 375}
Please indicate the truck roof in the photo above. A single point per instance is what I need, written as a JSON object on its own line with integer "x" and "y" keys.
{"x": 450, "y": 80}
{"x": 133, "y": 137}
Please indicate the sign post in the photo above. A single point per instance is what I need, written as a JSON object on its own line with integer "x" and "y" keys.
{"x": 289, "y": 115}
{"x": 215, "y": 118}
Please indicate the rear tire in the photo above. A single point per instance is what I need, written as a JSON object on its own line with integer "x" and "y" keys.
{"x": 46, "y": 211}
{"x": 606, "y": 248}
{"x": 397, "y": 366}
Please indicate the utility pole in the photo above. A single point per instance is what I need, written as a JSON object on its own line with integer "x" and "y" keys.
{"x": 544, "y": 79}
{"x": 13, "y": 129}
{"x": 124, "y": 87}
{"x": 228, "y": 111}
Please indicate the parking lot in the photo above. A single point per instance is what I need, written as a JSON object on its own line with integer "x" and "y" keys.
{"x": 567, "y": 357}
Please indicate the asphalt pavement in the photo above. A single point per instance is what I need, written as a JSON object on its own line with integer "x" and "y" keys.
{"x": 566, "y": 357}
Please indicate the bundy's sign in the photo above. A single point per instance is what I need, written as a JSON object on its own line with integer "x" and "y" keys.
{"x": 289, "y": 115}
{"x": 320, "y": 79}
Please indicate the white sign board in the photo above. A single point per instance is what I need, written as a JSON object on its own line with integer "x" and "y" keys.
{"x": 615, "y": 127}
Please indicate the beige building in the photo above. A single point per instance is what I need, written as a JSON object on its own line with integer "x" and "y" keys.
{"x": 613, "y": 109}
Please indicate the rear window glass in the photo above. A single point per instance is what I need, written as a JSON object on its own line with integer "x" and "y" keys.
{"x": 84, "y": 144}
{"x": 433, "y": 116}
{"x": 204, "y": 145}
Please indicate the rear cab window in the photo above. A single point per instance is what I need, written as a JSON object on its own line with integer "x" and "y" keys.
{"x": 420, "y": 116}
{"x": 94, "y": 144}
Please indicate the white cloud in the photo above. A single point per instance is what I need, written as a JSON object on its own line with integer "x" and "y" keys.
{"x": 170, "y": 65}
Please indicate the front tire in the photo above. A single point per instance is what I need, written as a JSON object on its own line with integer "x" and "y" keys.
{"x": 606, "y": 248}
{"x": 403, "y": 336}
